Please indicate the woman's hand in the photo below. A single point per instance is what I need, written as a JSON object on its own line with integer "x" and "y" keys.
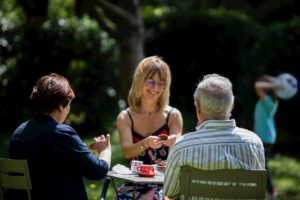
{"x": 101, "y": 143}
{"x": 170, "y": 141}
{"x": 153, "y": 142}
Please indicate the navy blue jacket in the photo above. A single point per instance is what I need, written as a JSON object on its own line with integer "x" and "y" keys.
{"x": 58, "y": 159}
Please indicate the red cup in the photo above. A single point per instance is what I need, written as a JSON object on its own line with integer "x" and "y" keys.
{"x": 148, "y": 169}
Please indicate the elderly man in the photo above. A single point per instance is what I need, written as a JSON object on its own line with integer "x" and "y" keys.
{"x": 217, "y": 142}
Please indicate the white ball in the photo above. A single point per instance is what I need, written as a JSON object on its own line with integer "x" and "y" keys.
{"x": 289, "y": 86}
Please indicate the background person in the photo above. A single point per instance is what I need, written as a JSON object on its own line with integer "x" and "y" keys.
{"x": 147, "y": 117}
{"x": 58, "y": 159}
{"x": 264, "y": 120}
{"x": 217, "y": 142}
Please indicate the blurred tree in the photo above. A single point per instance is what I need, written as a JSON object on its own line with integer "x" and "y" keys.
{"x": 250, "y": 36}
{"x": 229, "y": 39}
{"x": 54, "y": 40}
{"x": 123, "y": 20}
{"x": 35, "y": 10}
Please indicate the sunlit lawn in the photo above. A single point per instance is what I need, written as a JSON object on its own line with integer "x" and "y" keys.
{"x": 285, "y": 170}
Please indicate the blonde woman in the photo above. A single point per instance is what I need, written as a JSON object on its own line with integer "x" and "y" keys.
{"x": 148, "y": 116}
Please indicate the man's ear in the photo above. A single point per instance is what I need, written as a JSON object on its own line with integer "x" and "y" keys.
{"x": 61, "y": 108}
{"x": 197, "y": 105}
{"x": 231, "y": 107}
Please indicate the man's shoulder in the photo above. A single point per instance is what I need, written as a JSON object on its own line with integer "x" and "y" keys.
{"x": 247, "y": 133}
{"x": 186, "y": 139}
{"x": 244, "y": 130}
{"x": 186, "y": 136}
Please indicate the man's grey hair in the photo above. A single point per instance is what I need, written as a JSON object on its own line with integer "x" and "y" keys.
{"x": 215, "y": 96}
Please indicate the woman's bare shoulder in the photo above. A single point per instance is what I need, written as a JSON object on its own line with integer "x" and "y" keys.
{"x": 122, "y": 116}
{"x": 174, "y": 112}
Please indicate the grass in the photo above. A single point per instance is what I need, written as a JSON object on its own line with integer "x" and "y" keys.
{"x": 285, "y": 171}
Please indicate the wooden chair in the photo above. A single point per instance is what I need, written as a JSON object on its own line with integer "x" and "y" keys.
{"x": 14, "y": 174}
{"x": 224, "y": 184}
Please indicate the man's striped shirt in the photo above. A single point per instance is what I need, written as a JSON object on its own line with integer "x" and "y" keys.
{"x": 217, "y": 144}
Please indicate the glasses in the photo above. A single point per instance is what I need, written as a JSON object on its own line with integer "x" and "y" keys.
{"x": 152, "y": 83}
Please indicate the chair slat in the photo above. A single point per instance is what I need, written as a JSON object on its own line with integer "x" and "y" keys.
{"x": 229, "y": 183}
{"x": 14, "y": 174}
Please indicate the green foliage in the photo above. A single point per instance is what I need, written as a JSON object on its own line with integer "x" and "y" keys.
{"x": 11, "y": 15}
{"x": 224, "y": 13}
{"x": 93, "y": 57}
{"x": 226, "y": 40}
{"x": 61, "y": 9}
{"x": 151, "y": 11}
{"x": 285, "y": 171}
{"x": 74, "y": 47}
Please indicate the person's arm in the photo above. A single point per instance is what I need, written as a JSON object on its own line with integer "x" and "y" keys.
{"x": 129, "y": 149}
{"x": 175, "y": 127}
{"x": 106, "y": 155}
{"x": 67, "y": 143}
{"x": 262, "y": 86}
{"x": 102, "y": 146}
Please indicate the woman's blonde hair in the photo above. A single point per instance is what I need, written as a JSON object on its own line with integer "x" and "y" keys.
{"x": 146, "y": 69}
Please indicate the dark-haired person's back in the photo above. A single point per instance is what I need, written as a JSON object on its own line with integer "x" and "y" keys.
{"x": 58, "y": 159}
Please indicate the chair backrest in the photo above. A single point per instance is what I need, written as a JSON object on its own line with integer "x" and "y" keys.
{"x": 14, "y": 174}
{"x": 224, "y": 184}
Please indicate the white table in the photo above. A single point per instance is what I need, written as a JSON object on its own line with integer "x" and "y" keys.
{"x": 133, "y": 178}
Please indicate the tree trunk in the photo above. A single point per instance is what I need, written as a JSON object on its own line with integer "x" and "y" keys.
{"x": 131, "y": 53}
{"x": 123, "y": 20}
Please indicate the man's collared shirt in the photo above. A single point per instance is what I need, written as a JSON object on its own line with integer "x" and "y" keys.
{"x": 217, "y": 144}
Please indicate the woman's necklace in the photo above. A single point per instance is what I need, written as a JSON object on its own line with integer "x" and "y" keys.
{"x": 148, "y": 112}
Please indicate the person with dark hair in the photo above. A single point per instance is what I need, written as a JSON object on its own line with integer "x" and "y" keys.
{"x": 149, "y": 127}
{"x": 264, "y": 120}
{"x": 217, "y": 142}
{"x": 58, "y": 159}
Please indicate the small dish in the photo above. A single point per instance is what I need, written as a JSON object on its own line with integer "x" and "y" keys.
{"x": 143, "y": 174}
{"x": 161, "y": 168}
